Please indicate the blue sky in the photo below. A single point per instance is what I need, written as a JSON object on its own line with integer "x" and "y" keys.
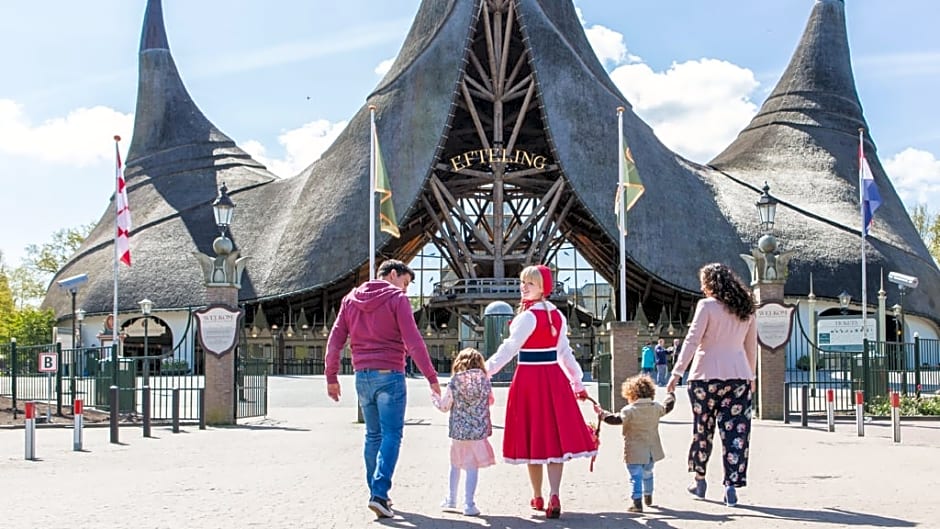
{"x": 281, "y": 77}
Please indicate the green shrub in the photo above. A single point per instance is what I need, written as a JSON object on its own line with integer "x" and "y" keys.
{"x": 802, "y": 363}
{"x": 173, "y": 366}
{"x": 909, "y": 405}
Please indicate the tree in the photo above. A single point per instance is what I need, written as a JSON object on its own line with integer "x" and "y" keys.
{"x": 29, "y": 281}
{"x": 6, "y": 307}
{"x": 26, "y": 286}
{"x": 31, "y": 326}
{"x": 927, "y": 224}
{"x": 48, "y": 258}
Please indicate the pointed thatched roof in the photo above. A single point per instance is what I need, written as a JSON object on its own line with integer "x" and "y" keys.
{"x": 310, "y": 232}
{"x": 175, "y": 164}
{"x": 804, "y": 143}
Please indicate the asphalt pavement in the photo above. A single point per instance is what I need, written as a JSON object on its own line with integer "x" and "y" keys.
{"x": 301, "y": 466}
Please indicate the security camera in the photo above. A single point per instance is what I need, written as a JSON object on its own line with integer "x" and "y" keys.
{"x": 72, "y": 283}
{"x": 902, "y": 280}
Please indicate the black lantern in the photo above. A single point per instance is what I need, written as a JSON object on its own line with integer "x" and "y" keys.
{"x": 223, "y": 208}
{"x": 767, "y": 209}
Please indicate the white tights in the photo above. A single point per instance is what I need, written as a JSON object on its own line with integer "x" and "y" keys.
{"x": 470, "y": 486}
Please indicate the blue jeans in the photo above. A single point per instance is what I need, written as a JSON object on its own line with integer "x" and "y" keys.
{"x": 662, "y": 374}
{"x": 382, "y": 396}
{"x": 641, "y": 477}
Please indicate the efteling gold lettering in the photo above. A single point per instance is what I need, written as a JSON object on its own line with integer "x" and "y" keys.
{"x": 497, "y": 155}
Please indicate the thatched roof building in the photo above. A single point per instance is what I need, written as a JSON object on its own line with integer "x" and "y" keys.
{"x": 512, "y": 75}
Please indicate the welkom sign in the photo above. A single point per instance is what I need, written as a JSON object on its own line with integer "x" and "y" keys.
{"x": 774, "y": 324}
{"x": 218, "y": 328}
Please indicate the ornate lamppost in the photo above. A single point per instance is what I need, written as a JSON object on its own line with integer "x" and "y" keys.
{"x": 774, "y": 318}
{"x": 146, "y": 306}
{"x": 219, "y": 322}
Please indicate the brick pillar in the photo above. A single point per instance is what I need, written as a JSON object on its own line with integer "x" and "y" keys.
{"x": 220, "y": 371}
{"x": 624, "y": 360}
{"x": 771, "y": 363}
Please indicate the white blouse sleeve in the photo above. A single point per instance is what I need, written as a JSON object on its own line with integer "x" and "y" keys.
{"x": 520, "y": 329}
{"x": 569, "y": 364}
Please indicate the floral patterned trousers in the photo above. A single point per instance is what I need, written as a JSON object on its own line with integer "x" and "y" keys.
{"x": 725, "y": 404}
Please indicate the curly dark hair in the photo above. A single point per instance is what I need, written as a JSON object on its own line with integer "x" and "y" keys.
{"x": 720, "y": 282}
{"x": 638, "y": 387}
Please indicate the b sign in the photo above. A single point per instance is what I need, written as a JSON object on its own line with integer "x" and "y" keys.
{"x": 48, "y": 362}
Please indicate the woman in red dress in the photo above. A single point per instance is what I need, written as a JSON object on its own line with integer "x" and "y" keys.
{"x": 544, "y": 425}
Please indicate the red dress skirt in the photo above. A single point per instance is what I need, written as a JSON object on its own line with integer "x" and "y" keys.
{"x": 544, "y": 423}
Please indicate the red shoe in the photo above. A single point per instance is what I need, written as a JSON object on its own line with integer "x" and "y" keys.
{"x": 537, "y": 503}
{"x": 554, "y": 507}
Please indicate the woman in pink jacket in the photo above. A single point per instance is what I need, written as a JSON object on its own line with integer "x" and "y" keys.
{"x": 722, "y": 346}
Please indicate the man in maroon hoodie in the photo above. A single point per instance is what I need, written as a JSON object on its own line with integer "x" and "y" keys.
{"x": 377, "y": 320}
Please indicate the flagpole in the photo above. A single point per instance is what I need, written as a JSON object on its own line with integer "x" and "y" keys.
{"x": 622, "y": 219}
{"x": 861, "y": 210}
{"x": 372, "y": 162}
{"x": 114, "y": 264}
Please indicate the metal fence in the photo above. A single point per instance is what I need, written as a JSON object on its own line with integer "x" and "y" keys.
{"x": 21, "y": 378}
{"x": 87, "y": 373}
{"x": 909, "y": 368}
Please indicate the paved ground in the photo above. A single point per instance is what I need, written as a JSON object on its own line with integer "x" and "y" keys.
{"x": 301, "y": 467}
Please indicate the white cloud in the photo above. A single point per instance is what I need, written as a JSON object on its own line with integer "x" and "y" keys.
{"x": 607, "y": 43}
{"x": 915, "y": 175}
{"x": 81, "y": 138}
{"x": 384, "y": 67}
{"x": 696, "y": 108}
{"x": 302, "y": 147}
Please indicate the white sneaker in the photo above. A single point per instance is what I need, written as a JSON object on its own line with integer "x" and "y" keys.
{"x": 448, "y": 505}
{"x": 471, "y": 510}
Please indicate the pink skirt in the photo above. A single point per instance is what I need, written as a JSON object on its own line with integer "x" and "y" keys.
{"x": 544, "y": 423}
{"x": 471, "y": 454}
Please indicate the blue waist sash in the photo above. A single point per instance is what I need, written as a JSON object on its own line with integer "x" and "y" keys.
{"x": 536, "y": 356}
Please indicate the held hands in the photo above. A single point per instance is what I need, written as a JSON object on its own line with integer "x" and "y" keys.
{"x": 333, "y": 391}
{"x": 598, "y": 410}
{"x": 436, "y": 389}
{"x": 671, "y": 386}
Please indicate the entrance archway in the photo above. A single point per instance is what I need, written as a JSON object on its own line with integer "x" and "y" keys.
{"x": 159, "y": 338}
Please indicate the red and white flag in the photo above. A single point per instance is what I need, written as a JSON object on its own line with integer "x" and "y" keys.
{"x": 122, "y": 236}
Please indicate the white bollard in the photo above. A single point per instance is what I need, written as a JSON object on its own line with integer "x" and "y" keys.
{"x": 830, "y": 409}
{"x": 860, "y": 412}
{"x": 30, "y": 431}
{"x": 77, "y": 410}
{"x": 896, "y": 415}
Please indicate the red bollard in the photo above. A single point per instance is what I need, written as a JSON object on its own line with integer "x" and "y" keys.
{"x": 860, "y": 412}
{"x": 830, "y": 409}
{"x": 79, "y": 422}
{"x": 30, "y": 431}
{"x": 896, "y": 415}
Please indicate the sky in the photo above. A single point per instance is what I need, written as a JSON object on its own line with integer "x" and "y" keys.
{"x": 282, "y": 77}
